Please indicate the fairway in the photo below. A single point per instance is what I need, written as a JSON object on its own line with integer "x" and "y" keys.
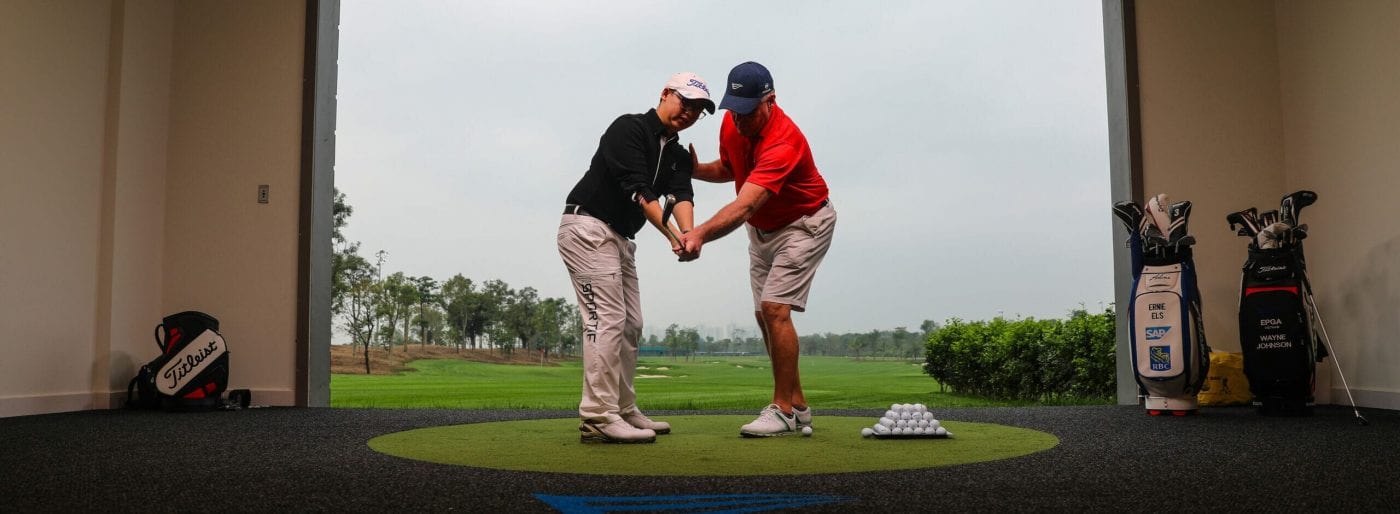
{"x": 662, "y": 383}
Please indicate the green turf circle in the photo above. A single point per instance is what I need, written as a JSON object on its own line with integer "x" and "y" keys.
{"x": 704, "y": 445}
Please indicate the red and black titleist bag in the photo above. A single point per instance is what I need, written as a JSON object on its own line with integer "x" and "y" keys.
{"x": 192, "y": 370}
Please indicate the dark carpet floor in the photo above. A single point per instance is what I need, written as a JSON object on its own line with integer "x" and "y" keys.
{"x": 1110, "y": 458}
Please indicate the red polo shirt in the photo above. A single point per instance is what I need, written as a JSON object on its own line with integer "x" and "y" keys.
{"x": 778, "y": 160}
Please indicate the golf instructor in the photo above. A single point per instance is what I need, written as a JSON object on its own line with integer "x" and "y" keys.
{"x": 790, "y": 219}
{"x": 637, "y": 161}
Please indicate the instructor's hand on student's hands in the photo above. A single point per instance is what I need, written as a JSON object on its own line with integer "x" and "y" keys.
{"x": 690, "y": 246}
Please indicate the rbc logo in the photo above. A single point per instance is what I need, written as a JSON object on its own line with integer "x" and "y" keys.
{"x": 1160, "y": 358}
{"x": 1155, "y": 333}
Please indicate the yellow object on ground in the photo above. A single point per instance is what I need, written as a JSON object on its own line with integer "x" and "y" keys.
{"x": 1226, "y": 383}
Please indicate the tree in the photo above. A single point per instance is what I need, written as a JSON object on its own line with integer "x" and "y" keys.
{"x": 551, "y": 319}
{"x": 858, "y": 342}
{"x": 900, "y": 337}
{"x": 517, "y": 323}
{"x": 426, "y": 291}
{"x": 345, "y": 256}
{"x": 687, "y": 341}
{"x": 490, "y": 308}
{"x": 392, "y": 302}
{"x": 358, "y": 303}
{"x": 572, "y": 336}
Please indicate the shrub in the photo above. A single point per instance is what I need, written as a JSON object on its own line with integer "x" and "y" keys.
{"x": 1026, "y": 359}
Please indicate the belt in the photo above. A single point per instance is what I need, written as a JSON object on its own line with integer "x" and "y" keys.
{"x": 574, "y": 208}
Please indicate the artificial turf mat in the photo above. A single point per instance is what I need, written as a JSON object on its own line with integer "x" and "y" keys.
{"x": 703, "y": 445}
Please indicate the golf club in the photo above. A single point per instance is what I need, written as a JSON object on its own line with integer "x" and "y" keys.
{"x": 1307, "y": 289}
{"x": 1268, "y": 217}
{"x": 1248, "y": 227}
{"x": 1292, "y": 205}
{"x": 1157, "y": 208}
{"x": 668, "y": 204}
{"x": 1130, "y": 213}
{"x": 1180, "y": 212}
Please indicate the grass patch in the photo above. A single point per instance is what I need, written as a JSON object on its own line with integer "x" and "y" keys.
{"x": 707, "y": 446}
{"x": 698, "y": 384}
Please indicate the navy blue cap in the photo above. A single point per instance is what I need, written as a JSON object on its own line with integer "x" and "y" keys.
{"x": 748, "y": 84}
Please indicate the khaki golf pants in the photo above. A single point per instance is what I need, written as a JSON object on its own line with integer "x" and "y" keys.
{"x": 603, "y": 269}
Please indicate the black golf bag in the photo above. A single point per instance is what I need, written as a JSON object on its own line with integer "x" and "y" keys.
{"x": 1280, "y": 352}
{"x": 1281, "y": 332}
{"x": 192, "y": 369}
{"x": 1170, "y": 356}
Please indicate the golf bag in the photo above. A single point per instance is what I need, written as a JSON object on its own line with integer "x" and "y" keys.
{"x": 1280, "y": 352}
{"x": 1169, "y": 352}
{"x": 192, "y": 369}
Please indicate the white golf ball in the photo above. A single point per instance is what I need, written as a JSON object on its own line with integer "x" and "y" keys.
{"x": 919, "y": 407}
{"x": 887, "y": 422}
{"x": 881, "y": 429}
{"x": 940, "y": 431}
{"x": 807, "y": 431}
{"x": 891, "y": 414}
{"x": 922, "y": 423}
{"x": 934, "y": 424}
{"x": 928, "y": 416}
{"x": 894, "y": 407}
{"x": 866, "y": 432}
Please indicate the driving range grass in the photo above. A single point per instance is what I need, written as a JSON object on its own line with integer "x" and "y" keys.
{"x": 662, "y": 383}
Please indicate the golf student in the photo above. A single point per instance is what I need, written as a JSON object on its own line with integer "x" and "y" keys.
{"x": 638, "y": 159}
{"x": 790, "y": 219}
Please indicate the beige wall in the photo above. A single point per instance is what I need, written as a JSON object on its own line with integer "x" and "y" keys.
{"x": 134, "y": 135}
{"x": 1245, "y": 101}
{"x": 52, "y": 98}
{"x": 1211, "y": 131}
{"x": 235, "y": 124}
{"x": 1340, "y": 76}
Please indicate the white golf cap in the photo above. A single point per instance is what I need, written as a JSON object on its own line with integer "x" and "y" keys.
{"x": 692, "y": 87}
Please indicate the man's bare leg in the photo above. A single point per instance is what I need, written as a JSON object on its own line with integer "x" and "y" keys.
{"x": 780, "y": 337}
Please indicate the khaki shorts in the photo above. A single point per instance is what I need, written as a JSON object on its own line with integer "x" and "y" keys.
{"x": 782, "y": 263}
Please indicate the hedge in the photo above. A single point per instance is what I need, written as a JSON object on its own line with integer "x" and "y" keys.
{"x": 1026, "y": 359}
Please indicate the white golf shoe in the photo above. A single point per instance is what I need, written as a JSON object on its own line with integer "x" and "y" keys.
{"x": 618, "y": 431}
{"x": 771, "y": 422}
{"x": 804, "y": 416}
{"x": 639, "y": 420}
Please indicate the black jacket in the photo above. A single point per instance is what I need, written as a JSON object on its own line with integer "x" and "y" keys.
{"x": 631, "y": 160}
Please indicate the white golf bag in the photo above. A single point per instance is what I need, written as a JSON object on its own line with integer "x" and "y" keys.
{"x": 1170, "y": 356}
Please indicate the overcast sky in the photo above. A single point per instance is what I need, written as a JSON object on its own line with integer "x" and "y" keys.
{"x": 965, "y": 145}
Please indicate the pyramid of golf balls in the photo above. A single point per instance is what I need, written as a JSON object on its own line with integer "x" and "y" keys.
{"x": 906, "y": 419}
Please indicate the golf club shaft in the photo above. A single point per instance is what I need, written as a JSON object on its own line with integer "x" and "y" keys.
{"x": 1307, "y": 285}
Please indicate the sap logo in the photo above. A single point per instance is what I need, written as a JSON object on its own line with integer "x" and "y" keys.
{"x": 1160, "y": 358}
{"x": 1270, "y": 322}
{"x": 1266, "y": 269}
{"x": 700, "y": 85}
{"x": 1155, "y": 333}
